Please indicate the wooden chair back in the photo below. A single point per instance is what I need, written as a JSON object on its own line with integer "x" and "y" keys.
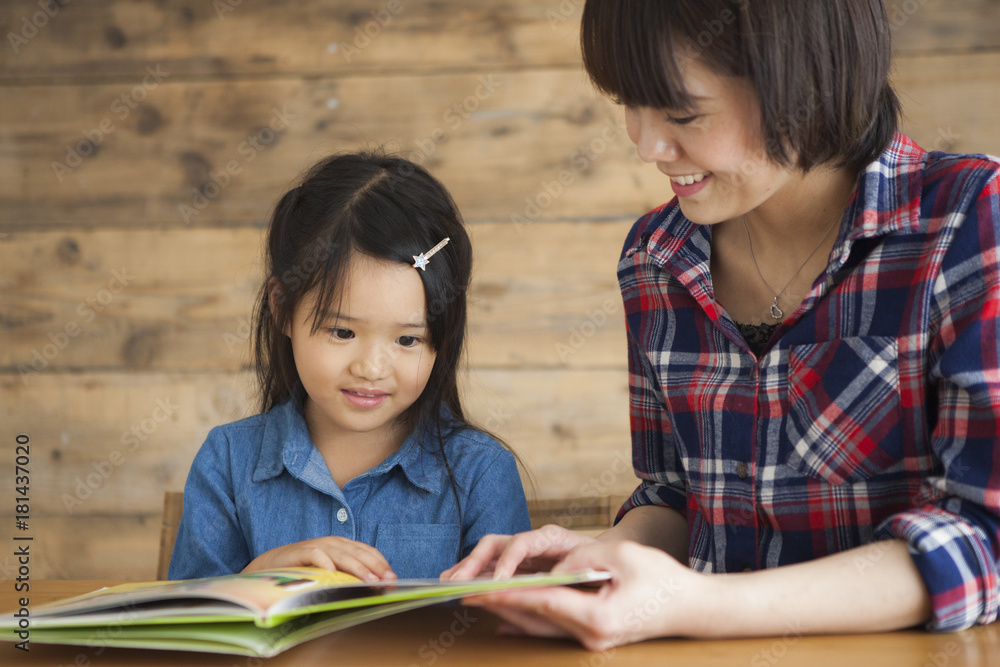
{"x": 173, "y": 507}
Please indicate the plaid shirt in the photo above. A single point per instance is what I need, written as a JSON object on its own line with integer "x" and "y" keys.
{"x": 874, "y": 411}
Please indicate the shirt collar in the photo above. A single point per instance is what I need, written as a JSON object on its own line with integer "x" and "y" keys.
{"x": 287, "y": 446}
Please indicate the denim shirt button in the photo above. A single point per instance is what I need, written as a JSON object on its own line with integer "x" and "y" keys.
{"x": 341, "y": 515}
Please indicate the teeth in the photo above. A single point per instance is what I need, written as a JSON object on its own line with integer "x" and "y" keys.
{"x": 690, "y": 179}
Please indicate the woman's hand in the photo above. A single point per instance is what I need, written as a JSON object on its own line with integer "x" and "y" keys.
{"x": 650, "y": 595}
{"x": 332, "y": 553}
{"x": 533, "y": 551}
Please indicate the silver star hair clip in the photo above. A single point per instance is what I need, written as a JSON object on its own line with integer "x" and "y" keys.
{"x": 420, "y": 261}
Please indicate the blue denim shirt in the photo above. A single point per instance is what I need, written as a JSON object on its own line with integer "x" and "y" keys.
{"x": 260, "y": 483}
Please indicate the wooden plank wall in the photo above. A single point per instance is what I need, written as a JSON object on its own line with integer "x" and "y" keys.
{"x": 143, "y": 142}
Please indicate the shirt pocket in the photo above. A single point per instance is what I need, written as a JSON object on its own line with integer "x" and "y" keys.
{"x": 843, "y": 419}
{"x": 418, "y": 550}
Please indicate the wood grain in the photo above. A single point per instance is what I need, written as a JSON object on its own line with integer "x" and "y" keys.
{"x": 543, "y": 295}
{"x": 118, "y": 38}
{"x": 532, "y": 144}
{"x": 512, "y": 147}
{"x": 103, "y": 39}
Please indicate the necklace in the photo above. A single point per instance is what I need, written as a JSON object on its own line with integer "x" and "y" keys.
{"x": 775, "y": 311}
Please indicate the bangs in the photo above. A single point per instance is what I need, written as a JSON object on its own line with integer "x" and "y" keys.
{"x": 631, "y": 53}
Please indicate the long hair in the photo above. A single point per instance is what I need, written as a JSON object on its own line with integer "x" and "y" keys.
{"x": 819, "y": 69}
{"x": 387, "y": 208}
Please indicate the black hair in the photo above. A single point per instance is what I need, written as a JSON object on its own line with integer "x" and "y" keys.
{"x": 819, "y": 68}
{"x": 387, "y": 208}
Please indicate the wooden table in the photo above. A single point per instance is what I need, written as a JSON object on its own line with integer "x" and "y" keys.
{"x": 453, "y": 635}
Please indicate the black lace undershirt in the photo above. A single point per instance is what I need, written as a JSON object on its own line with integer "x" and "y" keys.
{"x": 756, "y": 335}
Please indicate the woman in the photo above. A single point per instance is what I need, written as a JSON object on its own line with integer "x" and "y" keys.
{"x": 813, "y": 343}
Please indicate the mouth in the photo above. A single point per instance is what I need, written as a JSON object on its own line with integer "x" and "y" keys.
{"x": 366, "y": 393}
{"x": 689, "y": 185}
{"x": 364, "y": 398}
{"x": 689, "y": 179}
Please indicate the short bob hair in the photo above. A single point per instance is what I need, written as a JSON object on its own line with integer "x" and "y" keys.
{"x": 819, "y": 68}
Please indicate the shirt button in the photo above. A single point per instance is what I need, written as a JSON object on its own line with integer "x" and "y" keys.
{"x": 341, "y": 515}
{"x": 742, "y": 470}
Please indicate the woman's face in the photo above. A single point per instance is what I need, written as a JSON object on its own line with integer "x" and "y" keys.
{"x": 713, "y": 153}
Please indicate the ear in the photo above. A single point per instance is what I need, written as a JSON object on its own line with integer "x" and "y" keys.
{"x": 275, "y": 295}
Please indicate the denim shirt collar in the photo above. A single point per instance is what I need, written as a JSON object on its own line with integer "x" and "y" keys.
{"x": 287, "y": 446}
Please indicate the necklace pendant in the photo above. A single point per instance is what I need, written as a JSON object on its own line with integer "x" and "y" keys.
{"x": 776, "y": 312}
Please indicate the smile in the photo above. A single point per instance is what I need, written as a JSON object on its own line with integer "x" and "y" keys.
{"x": 364, "y": 399}
{"x": 689, "y": 179}
{"x": 366, "y": 393}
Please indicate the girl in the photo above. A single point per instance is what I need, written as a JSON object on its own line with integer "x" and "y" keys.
{"x": 361, "y": 459}
{"x": 814, "y": 342}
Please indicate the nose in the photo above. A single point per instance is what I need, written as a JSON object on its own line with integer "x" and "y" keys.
{"x": 372, "y": 362}
{"x": 654, "y": 142}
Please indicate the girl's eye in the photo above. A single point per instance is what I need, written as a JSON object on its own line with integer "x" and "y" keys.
{"x": 342, "y": 334}
{"x": 408, "y": 341}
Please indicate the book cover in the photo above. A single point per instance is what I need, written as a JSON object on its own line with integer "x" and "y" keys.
{"x": 255, "y": 614}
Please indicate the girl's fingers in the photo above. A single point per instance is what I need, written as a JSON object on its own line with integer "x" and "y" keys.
{"x": 362, "y": 560}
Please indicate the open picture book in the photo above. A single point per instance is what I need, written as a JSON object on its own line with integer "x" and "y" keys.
{"x": 256, "y": 614}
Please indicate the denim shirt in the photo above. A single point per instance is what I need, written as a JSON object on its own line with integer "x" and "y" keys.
{"x": 260, "y": 483}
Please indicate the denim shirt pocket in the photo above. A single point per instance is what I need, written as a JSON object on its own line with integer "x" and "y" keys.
{"x": 418, "y": 550}
{"x": 843, "y": 420}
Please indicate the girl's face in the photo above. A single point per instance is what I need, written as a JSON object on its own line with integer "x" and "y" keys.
{"x": 713, "y": 154}
{"x": 368, "y": 362}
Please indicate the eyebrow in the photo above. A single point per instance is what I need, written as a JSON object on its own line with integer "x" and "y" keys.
{"x": 402, "y": 325}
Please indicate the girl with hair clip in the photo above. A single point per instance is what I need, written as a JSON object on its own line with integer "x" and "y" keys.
{"x": 361, "y": 459}
{"x": 813, "y": 325}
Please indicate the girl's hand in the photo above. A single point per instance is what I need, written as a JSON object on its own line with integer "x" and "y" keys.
{"x": 533, "y": 551}
{"x": 332, "y": 553}
{"x": 650, "y": 595}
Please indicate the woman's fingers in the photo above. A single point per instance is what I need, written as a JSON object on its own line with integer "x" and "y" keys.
{"x": 543, "y": 548}
{"x": 480, "y": 559}
{"x": 536, "y": 550}
{"x": 554, "y": 612}
{"x": 649, "y": 595}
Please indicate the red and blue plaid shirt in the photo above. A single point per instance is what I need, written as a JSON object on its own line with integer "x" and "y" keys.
{"x": 874, "y": 411}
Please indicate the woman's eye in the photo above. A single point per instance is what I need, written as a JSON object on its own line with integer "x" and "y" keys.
{"x": 408, "y": 341}
{"x": 342, "y": 334}
{"x": 683, "y": 120}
